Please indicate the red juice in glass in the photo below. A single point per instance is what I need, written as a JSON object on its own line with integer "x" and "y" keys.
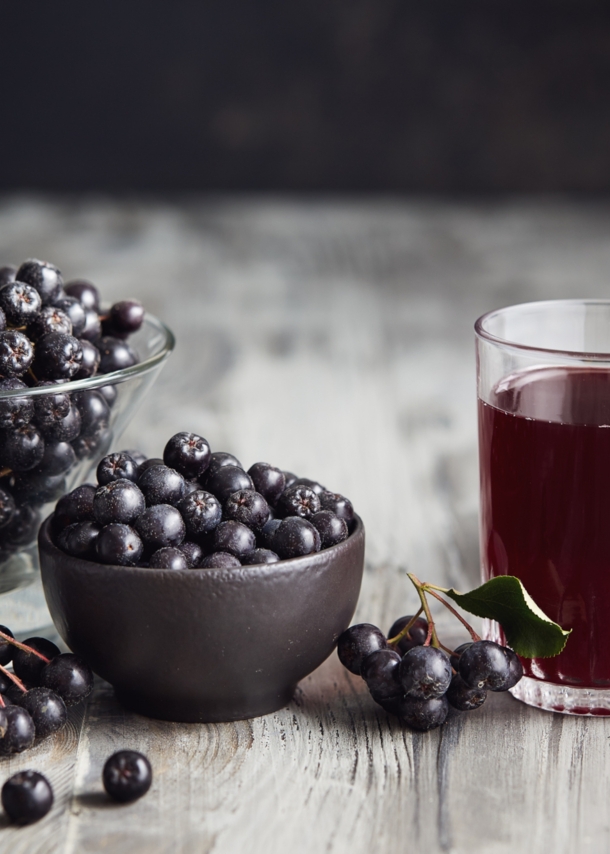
{"x": 544, "y": 455}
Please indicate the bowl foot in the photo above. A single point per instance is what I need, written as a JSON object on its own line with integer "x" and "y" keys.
{"x": 212, "y": 710}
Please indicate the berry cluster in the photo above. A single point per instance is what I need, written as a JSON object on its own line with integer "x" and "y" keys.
{"x": 28, "y": 796}
{"x": 50, "y": 333}
{"x": 195, "y": 508}
{"x": 36, "y": 693}
{"x": 413, "y": 676}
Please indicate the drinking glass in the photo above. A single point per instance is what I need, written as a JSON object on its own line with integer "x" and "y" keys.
{"x": 543, "y": 378}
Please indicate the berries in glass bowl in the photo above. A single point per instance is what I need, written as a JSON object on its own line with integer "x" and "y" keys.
{"x": 69, "y": 383}
{"x": 196, "y": 595}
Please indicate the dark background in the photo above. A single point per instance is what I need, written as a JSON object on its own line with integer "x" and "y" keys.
{"x": 380, "y": 95}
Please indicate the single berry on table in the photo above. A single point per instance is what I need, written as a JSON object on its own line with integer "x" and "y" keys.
{"x": 27, "y": 797}
{"x": 358, "y": 642}
{"x": 127, "y": 775}
{"x": 425, "y": 672}
{"x": 117, "y": 544}
{"x": 295, "y": 537}
{"x": 46, "y": 708}
{"x": 69, "y": 676}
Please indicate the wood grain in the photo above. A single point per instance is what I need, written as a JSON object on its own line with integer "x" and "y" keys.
{"x": 334, "y": 339}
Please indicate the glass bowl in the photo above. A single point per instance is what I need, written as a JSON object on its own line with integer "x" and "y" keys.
{"x": 107, "y": 403}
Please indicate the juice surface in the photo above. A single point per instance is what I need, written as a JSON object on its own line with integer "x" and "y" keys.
{"x": 545, "y": 507}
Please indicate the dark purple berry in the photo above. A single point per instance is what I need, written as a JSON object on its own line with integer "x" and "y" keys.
{"x": 332, "y": 528}
{"x": 69, "y": 676}
{"x": 58, "y": 458}
{"x": 127, "y": 776}
{"x": 159, "y": 526}
{"x": 58, "y": 356}
{"x": 268, "y": 480}
{"x": 119, "y": 466}
{"x": 21, "y": 449}
{"x": 515, "y": 668}
{"x": 66, "y": 429}
{"x": 417, "y": 633}
{"x": 118, "y": 501}
{"x": 339, "y": 505}
{"x": 22, "y": 528}
{"x": 7, "y": 274}
{"x": 6, "y": 649}
{"x": 225, "y": 480}
{"x": 115, "y": 355}
{"x": 7, "y": 511}
{"x": 46, "y": 708}
{"x": 90, "y": 361}
{"x": 464, "y": 698}
{"x": 50, "y": 408}
{"x": 168, "y": 557}
{"x": 298, "y": 501}
{"x": 27, "y": 797}
{"x": 50, "y": 319}
{"x": 28, "y": 666}
{"x": 310, "y": 484}
{"x": 220, "y": 560}
{"x": 457, "y": 654}
{"x": 80, "y": 539}
{"x": 485, "y": 665}
{"x": 16, "y": 354}
{"x": 161, "y": 485}
{"x": 20, "y": 731}
{"x": 380, "y": 672}
{"x": 235, "y": 538}
{"x": 76, "y": 506}
{"x": 20, "y": 303}
{"x": 94, "y": 412}
{"x": 187, "y": 453}
{"x": 74, "y": 310}
{"x": 92, "y": 330}
{"x": 15, "y": 411}
{"x": 358, "y": 642}
{"x": 290, "y": 479}
{"x": 425, "y": 672}
{"x": 86, "y": 293}
{"x": 137, "y": 456}
{"x": 127, "y": 315}
{"x": 423, "y": 715}
{"x": 248, "y": 507}
{"x": 295, "y": 537}
{"x": 109, "y": 393}
{"x": 219, "y": 459}
{"x": 267, "y": 534}
{"x": 117, "y": 544}
{"x": 146, "y": 464}
{"x": 45, "y": 277}
{"x": 259, "y": 556}
{"x": 192, "y": 552}
{"x": 201, "y": 512}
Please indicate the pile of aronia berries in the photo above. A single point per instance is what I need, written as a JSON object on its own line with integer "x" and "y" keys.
{"x": 197, "y": 509}
{"x": 410, "y": 674}
{"x": 52, "y": 332}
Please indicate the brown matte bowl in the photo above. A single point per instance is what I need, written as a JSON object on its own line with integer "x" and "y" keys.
{"x": 204, "y": 644}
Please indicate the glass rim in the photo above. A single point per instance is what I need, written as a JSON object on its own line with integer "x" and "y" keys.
{"x": 507, "y": 344}
{"x": 111, "y": 378}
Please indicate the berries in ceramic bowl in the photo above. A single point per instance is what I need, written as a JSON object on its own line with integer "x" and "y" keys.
{"x": 251, "y": 603}
{"x": 59, "y": 405}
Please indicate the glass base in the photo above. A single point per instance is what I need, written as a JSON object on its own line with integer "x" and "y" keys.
{"x": 563, "y": 698}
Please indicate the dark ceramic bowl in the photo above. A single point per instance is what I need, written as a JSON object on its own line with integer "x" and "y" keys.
{"x": 204, "y": 644}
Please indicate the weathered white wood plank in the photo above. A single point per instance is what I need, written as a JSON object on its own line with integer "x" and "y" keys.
{"x": 334, "y": 339}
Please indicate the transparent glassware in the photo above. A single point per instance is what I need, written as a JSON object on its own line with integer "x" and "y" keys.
{"x": 543, "y": 379}
{"x": 22, "y": 604}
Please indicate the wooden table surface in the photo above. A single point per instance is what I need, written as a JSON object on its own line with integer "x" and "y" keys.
{"x": 333, "y": 338}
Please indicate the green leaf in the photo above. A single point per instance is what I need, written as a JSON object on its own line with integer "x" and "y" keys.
{"x": 527, "y": 629}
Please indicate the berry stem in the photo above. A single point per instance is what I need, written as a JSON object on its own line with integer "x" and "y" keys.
{"x": 24, "y": 647}
{"x": 432, "y": 636}
{"x": 405, "y": 631}
{"x": 449, "y": 607}
{"x": 13, "y": 678}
